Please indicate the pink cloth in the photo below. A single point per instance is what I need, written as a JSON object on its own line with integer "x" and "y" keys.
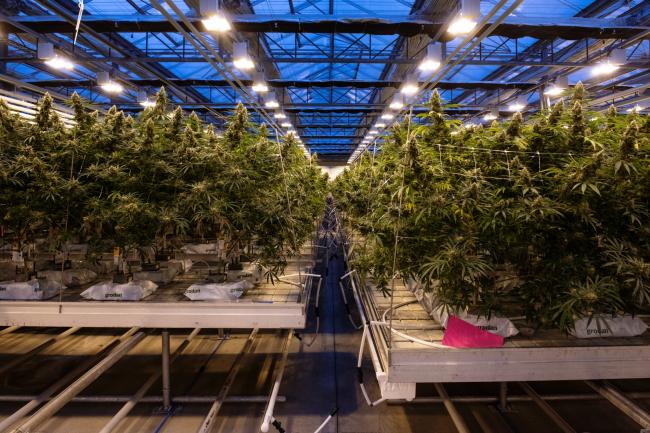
{"x": 459, "y": 333}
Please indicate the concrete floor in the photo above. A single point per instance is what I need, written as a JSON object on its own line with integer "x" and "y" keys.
{"x": 317, "y": 380}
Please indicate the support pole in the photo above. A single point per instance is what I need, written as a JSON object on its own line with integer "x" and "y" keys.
{"x": 139, "y": 395}
{"x": 211, "y": 417}
{"x": 503, "y": 396}
{"x": 79, "y": 385}
{"x": 557, "y": 419}
{"x": 166, "y": 379}
{"x": 622, "y": 403}
{"x": 456, "y": 417}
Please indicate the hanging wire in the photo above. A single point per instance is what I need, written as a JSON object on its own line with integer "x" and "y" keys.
{"x": 286, "y": 191}
{"x": 397, "y": 226}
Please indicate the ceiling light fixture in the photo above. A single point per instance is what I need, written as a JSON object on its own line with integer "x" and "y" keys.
{"x": 216, "y": 23}
{"x": 410, "y": 86}
{"x": 241, "y": 59}
{"x": 397, "y": 103}
{"x": 466, "y": 20}
{"x": 60, "y": 62}
{"x": 45, "y": 51}
{"x": 144, "y": 100}
{"x": 380, "y": 125}
{"x": 433, "y": 59}
{"x": 271, "y": 103}
{"x": 280, "y": 116}
{"x": 492, "y": 115}
{"x": 613, "y": 62}
{"x": 518, "y": 104}
{"x": 214, "y": 20}
{"x": 107, "y": 84}
{"x": 559, "y": 86}
{"x": 259, "y": 85}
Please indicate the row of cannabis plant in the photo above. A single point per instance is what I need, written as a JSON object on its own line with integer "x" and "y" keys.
{"x": 155, "y": 180}
{"x": 548, "y": 218}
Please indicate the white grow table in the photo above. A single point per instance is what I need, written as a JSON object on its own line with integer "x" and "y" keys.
{"x": 548, "y": 355}
{"x": 267, "y": 306}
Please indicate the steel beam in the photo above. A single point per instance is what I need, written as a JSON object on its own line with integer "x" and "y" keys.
{"x": 377, "y": 60}
{"x": 302, "y": 84}
{"x": 513, "y": 27}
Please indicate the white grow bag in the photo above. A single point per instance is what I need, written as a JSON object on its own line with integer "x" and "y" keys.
{"x": 218, "y": 292}
{"x": 599, "y": 326}
{"x": 496, "y": 325}
{"x": 110, "y": 291}
{"x": 32, "y": 290}
{"x": 211, "y": 248}
{"x": 70, "y": 277}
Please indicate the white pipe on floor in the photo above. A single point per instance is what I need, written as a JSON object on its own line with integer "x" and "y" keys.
{"x": 22, "y": 358}
{"x": 547, "y": 409}
{"x": 90, "y": 399}
{"x": 268, "y": 414}
{"x": 621, "y": 402}
{"x": 9, "y": 330}
{"x": 79, "y": 385}
{"x": 34, "y": 401}
{"x": 327, "y": 420}
{"x": 210, "y": 418}
{"x": 138, "y": 396}
{"x": 456, "y": 417}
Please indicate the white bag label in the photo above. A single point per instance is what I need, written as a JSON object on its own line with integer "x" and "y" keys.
{"x": 110, "y": 291}
{"x": 218, "y": 292}
{"x": 621, "y": 326}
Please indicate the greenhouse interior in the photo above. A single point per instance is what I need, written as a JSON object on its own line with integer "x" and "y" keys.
{"x": 324, "y": 216}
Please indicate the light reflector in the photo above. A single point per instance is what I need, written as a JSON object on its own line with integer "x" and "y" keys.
{"x": 60, "y": 62}
{"x": 241, "y": 59}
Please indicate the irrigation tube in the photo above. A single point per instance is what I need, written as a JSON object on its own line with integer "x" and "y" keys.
{"x": 210, "y": 418}
{"x": 364, "y": 336}
{"x": 347, "y": 307}
{"x": 22, "y": 358}
{"x": 79, "y": 385}
{"x": 268, "y": 413}
{"x": 137, "y": 397}
{"x": 371, "y": 344}
{"x": 34, "y": 401}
